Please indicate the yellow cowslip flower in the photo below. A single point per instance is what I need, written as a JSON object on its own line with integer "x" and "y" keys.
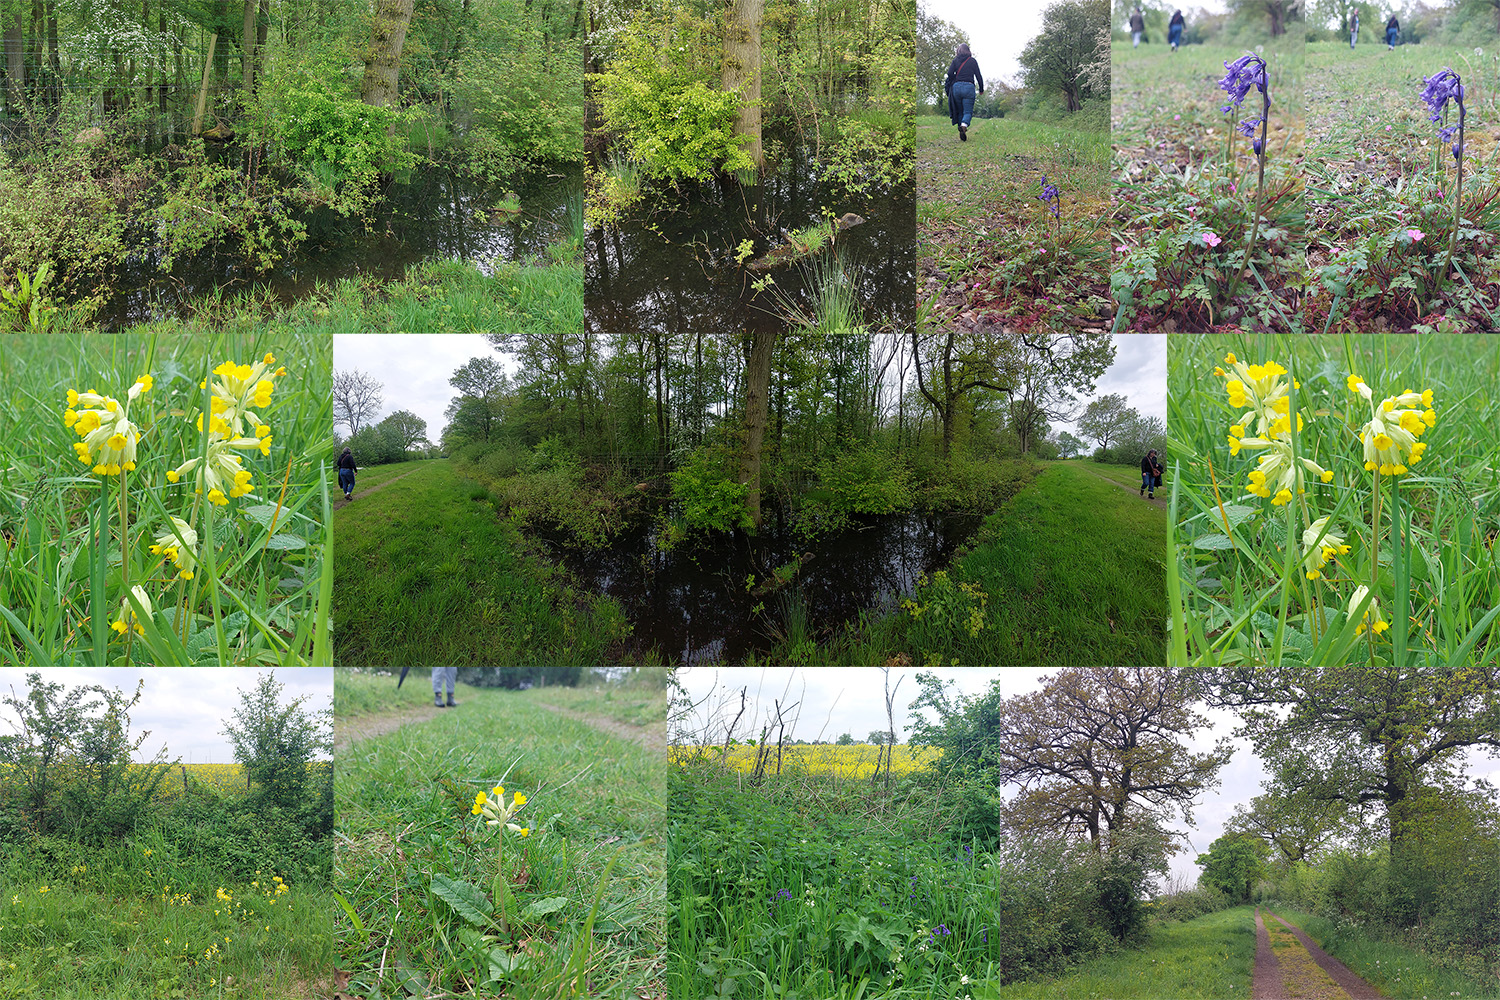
{"x": 222, "y": 475}
{"x": 109, "y": 437}
{"x": 127, "y": 619}
{"x": 1390, "y": 435}
{"x": 1320, "y": 547}
{"x": 1373, "y": 618}
{"x": 1277, "y": 474}
{"x": 497, "y": 813}
{"x": 237, "y": 388}
{"x": 1260, "y": 390}
{"x": 178, "y": 544}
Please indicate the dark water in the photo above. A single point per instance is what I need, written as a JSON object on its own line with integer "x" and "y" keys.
{"x": 692, "y": 602}
{"x": 435, "y": 215}
{"x": 685, "y": 278}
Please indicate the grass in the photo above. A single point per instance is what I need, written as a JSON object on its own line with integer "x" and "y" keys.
{"x": 1207, "y": 958}
{"x": 979, "y": 220}
{"x": 1376, "y": 169}
{"x": 1174, "y": 184}
{"x": 434, "y": 297}
{"x": 1300, "y": 972}
{"x": 365, "y": 479}
{"x": 1236, "y": 579}
{"x": 1125, "y": 475}
{"x": 809, "y": 888}
{"x": 428, "y": 572}
{"x": 1071, "y": 570}
{"x": 79, "y": 544}
{"x": 1397, "y": 970}
{"x": 583, "y": 894}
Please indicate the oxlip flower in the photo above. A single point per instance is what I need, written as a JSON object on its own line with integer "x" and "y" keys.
{"x": 179, "y": 544}
{"x": 127, "y": 619}
{"x": 221, "y": 477}
{"x": 1320, "y": 547}
{"x": 1396, "y": 422}
{"x": 1373, "y": 619}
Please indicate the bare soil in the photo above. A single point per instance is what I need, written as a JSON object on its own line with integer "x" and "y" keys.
{"x": 1276, "y": 980}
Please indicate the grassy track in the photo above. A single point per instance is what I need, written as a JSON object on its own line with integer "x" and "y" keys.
{"x": 980, "y": 221}
{"x": 1396, "y": 970}
{"x": 429, "y": 574}
{"x": 365, "y": 479}
{"x": 1125, "y": 475}
{"x": 593, "y": 800}
{"x": 1074, "y": 570}
{"x": 1209, "y": 958}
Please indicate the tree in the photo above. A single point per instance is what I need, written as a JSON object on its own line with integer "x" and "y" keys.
{"x": 1361, "y": 733}
{"x": 958, "y": 364}
{"x": 1232, "y": 865}
{"x": 757, "y": 388}
{"x": 937, "y": 40}
{"x": 1054, "y": 370}
{"x": 275, "y": 745}
{"x": 1290, "y": 821}
{"x": 484, "y": 379}
{"x": 357, "y": 398}
{"x": 741, "y": 71}
{"x": 1069, "y": 445}
{"x": 1097, "y": 745}
{"x": 880, "y": 738}
{"x": 846, "y": 740}
{"x": 1277, "y": 13}
{"x": 405, "y": 427}
{"x": 1104, "y": 419}
{"x": 383, "y": 59}
{"x": 1061, "y": 59}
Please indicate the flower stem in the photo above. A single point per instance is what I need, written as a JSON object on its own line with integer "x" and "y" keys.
{"x": 1260, "y": 187}
{"x": 1458, "y": 200}
{"x": 125, "y": 563}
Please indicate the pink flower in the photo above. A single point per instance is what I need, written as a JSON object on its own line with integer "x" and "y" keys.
{"x": 1042, "y": 250}
{"x": 1176, "y": 118}
{"x": 1387, "y": 128}
{"x": 1122, "y": 249}
{"x": 1232, "y": 188}
{"x": 1415, "y": 235}
{"x": 1211, "y": 239}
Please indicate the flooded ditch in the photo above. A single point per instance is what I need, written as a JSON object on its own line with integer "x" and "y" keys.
{"x": 672, "y": 264}
{"x": 698, "y": 602}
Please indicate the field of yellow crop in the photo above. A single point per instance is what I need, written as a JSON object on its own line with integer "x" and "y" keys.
{"x": 226, "y": 778}
{"x": 857, "y": 761}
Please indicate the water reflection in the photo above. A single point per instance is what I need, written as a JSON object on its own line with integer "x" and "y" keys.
{"x": 697, "y": 603}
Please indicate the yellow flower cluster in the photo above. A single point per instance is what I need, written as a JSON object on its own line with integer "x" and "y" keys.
{"x": 221, "y": 475}
{"x": 178, "y": 545}
{"x": 109, "y": 437}
{"x": 496, "y": 812}
{"x": 127, "y": 619}
{"x": 1263, "y": 390}
{"x": 1390, "y": 435}
{"x": 1320, "y": 547}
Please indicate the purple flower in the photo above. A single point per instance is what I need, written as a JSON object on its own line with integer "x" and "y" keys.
{"x": 1050, "y": 196}
{"x": 1248, "y": 127}
{"x": 1438, "y": 91}
{"x": 1247, "y": 71}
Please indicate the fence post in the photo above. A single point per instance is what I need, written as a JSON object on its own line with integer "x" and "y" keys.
{"x": 184, "y": 778}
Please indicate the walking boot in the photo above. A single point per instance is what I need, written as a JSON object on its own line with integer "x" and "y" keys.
{"x": 437, "y": 701}
{"x": 963, "y": 133}
{"x": 451, "y": 702}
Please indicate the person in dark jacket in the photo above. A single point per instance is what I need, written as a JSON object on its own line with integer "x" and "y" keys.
{"x": 960, "y": 88}
{"x": 1174, "y": 30}
{"x": 1392, "y": 32}
{"x": 1137, "y": 27}
{"x": 346, "y": 474}
{"x": 1354, "y": 28}
{"x": 1151, "y": 471}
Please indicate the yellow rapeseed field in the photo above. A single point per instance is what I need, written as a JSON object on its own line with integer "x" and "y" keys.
{"x": 227, "y": 778}
{"x": 857, "y": 761}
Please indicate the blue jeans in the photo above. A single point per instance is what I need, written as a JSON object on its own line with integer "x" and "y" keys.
{"x": 961, "y": 101}
{"x": 1174, "y": 35}
{"x": 1390, "y": 37}
{"x": 346, "y": 480}
{"x": 1135, "y": 36}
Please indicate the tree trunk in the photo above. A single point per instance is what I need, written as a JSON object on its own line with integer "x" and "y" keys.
{"x": 741, "y": 71}
{"x": 247, "y": 47}
{"x": 383, "y": 62}
{"x": 15, "y": 61}
{"x": 757, "y": 385}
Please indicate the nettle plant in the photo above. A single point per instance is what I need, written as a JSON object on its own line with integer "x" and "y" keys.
{"x": 1311, "y": 566}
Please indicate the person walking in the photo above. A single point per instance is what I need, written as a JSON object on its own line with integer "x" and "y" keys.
{"x": 1392, "y": 32}
{"x": 1174, "y": 30}
{"x": 1151, "y": 471}
{"x": 1137, "y": 27}
{"x": 346, "y": 474}
{"x": 960, "y": 87}
{"x": 1354, "y": 28}
{"x": 439, "y": 676}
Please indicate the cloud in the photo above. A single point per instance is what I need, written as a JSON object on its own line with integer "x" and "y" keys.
{"x": 414, "y": 369}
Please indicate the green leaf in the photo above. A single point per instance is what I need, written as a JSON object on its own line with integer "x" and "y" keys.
{"x": 285, "y": 542}
{"x": 1213, "y": 542}
{"x": 503, "y": 963}
{"x": 466, "y": 900}
{"x": 542, "y": 907}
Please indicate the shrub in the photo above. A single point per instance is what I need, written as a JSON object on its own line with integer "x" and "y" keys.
{"x": 710, "y": 497}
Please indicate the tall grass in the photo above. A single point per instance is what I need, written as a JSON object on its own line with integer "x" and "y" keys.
{"x": 79, "y": 556}
{"x": 1421, "y": 543}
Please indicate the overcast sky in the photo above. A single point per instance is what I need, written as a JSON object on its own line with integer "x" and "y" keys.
{"x": 183, "y": 708}
{"x": 996, "y": 31}
{"x": 1139, "y": 374}
{"x": 414, "y": 369}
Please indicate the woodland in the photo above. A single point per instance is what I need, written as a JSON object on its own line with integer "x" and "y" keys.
{"x": 202, "y": 158}
{"x": 750, "y": 164}
{"x": 1370, "y": 816}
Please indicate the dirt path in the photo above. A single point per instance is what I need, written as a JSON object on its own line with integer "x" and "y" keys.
{"x": 652, "y": 737}
{"x": 1158, "y": 502}
{"x": 350, "y": 731}
{"x": 358, "y": 493}
{"x": 1306, "y": 973}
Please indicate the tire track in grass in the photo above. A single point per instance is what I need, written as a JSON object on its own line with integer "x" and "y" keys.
{"x": 1348, "y": 983}
{"x": 1289, "y": 966}
{"x": 1158, "y": 502}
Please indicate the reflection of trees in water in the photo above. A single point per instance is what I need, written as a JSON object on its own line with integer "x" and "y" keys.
{"x": 694, "y": 599}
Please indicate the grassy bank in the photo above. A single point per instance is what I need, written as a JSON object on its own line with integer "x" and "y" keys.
{"x": 435, "y": 297}
{"x": 583, "y": 893}
{"x": 429, "y": 573}
{"x": 1209, "y": 958}
{"x": 1397, "y": 969}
